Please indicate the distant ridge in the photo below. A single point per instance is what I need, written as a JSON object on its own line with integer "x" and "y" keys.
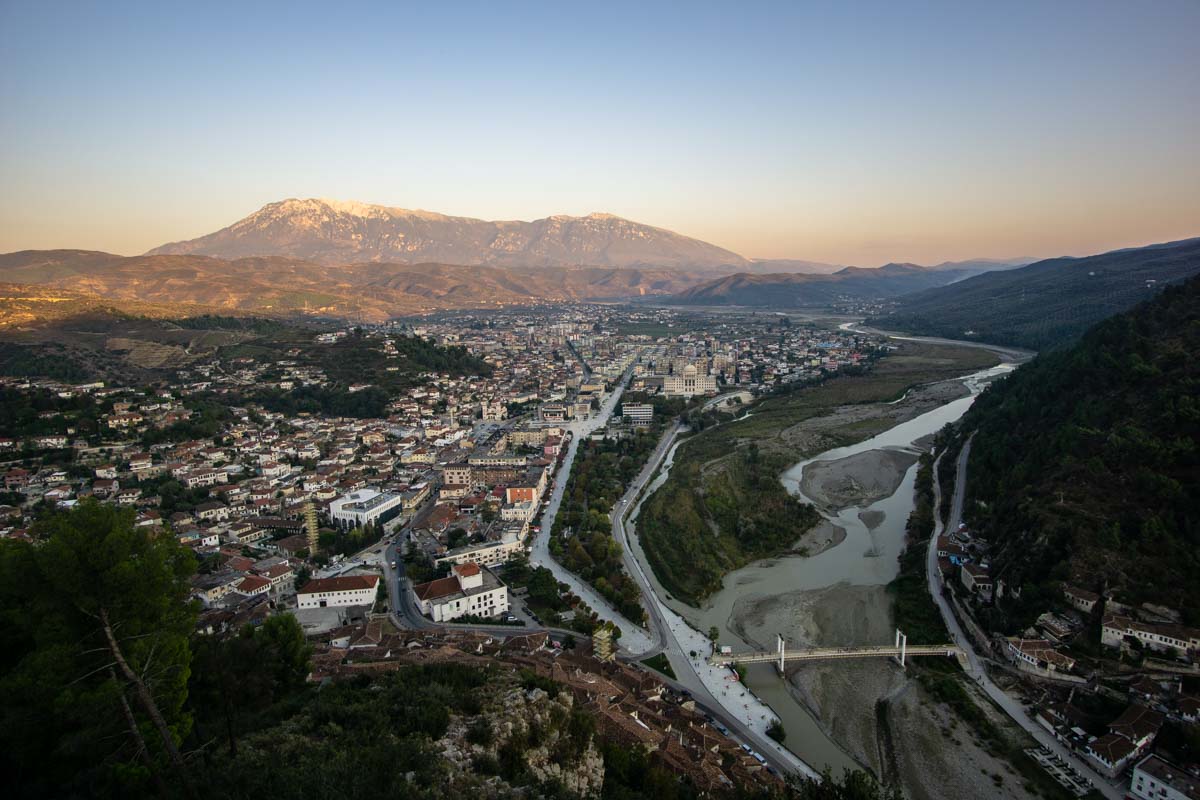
{"x": 1047, "y": 303}
{"x": 789, "y": 290}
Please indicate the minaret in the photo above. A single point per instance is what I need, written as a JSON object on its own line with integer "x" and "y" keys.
{"x": 310, "y": 526}
{"x": 602, "y": 643}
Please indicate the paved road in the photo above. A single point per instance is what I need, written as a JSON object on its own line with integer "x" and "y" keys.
{"x": 1013, "y": 354}
{"x": 657, "y": 623}
{"x": 976, "y": 669}
{"x": 634, "y": 639}
{"x": 735, "y": 706}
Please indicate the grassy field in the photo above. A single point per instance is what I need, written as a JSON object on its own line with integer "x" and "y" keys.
{"x": 655, "y": 329}
{"x": 724, "y": 506}
{"x": 659, "y": 663}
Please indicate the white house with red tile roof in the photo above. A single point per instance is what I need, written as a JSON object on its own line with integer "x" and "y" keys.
{"x": 345, "y": 590}
{"x": 469, "y": 589}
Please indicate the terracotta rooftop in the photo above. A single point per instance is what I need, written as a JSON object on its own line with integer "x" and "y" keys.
{"x": 433, "y": 590}
{"x": 344, "y": 583}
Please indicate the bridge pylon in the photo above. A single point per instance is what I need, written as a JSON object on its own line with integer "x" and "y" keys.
{"x": 779, "y": 652}
{"x": 901, "y": 647}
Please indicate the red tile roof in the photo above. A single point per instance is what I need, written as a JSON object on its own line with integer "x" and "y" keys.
{"x": 252, "y": 583}
{"x": 345, "y": 583}
{"x": 442, "y": 587}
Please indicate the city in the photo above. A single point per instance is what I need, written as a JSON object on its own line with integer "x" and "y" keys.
{"x": 781, "y": 401}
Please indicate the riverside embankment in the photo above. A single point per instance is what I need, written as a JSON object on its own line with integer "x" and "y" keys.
{"x": 831, "y": 589}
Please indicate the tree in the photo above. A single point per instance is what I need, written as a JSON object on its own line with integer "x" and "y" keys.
{"x": 96, "y": 625}
{"x": 302, "y": 577}
{"x": 285, "y": 649}
{"x": 247, "y": 672}
{"x": 853, "y": 785}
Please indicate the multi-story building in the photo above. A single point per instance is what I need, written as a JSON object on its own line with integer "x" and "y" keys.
{"x": 1155, "y": 779}
{"x": 486, "y": 554}
{"x": 638, "y": 413}
{"x": 456, "y": 474}
{"x": 365, "y": 506}
{"x": 470, "y": 589}
{"x": 689, "y": 383}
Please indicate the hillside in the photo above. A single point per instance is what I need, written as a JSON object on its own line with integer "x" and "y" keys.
{"x": 1085, "y": 466}
{"x": 336, "y": 232}
{"x": 1046, "y": 303}
{"x": 28, "y": 306}
{"x": 278, "y": 285}
{"x": 787, "y": 290}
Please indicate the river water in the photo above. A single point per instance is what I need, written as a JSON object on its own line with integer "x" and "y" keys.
{"x": 866, "y": 557}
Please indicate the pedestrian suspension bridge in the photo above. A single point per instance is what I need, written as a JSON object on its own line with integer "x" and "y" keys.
{"x": 899, "y": 651}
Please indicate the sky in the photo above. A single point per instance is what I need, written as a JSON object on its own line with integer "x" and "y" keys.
{"x": 847, "y": 132}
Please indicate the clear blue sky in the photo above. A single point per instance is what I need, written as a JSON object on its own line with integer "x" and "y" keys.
{"x": 847, "y": 132}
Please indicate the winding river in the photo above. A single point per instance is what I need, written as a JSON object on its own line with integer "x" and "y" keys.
{"x": 868, "y": 556}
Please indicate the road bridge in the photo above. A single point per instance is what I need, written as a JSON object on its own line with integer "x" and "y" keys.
{"x": 899, "y": 651}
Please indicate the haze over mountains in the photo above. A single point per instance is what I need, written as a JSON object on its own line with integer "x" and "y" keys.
{"x": 332, "y": 258}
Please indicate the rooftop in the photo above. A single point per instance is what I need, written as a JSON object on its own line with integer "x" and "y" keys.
{"x": 446, "y": 589}
{"x": 1170, "y": 775}
{"x": 342, "y": 583}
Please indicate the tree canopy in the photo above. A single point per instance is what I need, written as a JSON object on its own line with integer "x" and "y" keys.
{"x": 1085, "y": 466}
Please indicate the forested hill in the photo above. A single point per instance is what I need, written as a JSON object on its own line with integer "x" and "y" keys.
{"x": 1046, "y": 304}
{"x": 1087, "y": 461}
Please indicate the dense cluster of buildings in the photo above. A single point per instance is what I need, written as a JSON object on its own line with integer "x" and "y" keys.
{"x": 1149, "y": 663}
{"x": 627, "y": 704}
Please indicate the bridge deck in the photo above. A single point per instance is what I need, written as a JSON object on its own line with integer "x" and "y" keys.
{"x": 826, "y": 653}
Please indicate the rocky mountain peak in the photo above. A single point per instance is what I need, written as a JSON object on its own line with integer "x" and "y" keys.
{"x": 343, "y": 232}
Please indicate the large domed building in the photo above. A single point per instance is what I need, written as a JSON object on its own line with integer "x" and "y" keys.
{"x": 689, "y": 383}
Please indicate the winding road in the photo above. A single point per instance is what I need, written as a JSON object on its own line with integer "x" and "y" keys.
{"x": 975, "y": 667}
{"x": 727, "y": 700}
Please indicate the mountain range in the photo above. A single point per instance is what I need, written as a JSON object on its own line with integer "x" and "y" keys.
{"x": 371, "y": 262}
{"x": 337, "y": 232}
{"x": 1048, "y": 303}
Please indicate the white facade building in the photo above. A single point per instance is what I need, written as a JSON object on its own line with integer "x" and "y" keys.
{"x": 1155, "y": 779}
{"x": 345, "y": 590}
{"x": 638, "y": 413}
{"x": 689, "y": 383}
{"x": 486, "y": 554}
{"x": 366, "y": 505}
{"x": 470, "y": 589}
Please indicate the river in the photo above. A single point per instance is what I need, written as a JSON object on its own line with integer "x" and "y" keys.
{"x": 866, "y": 557}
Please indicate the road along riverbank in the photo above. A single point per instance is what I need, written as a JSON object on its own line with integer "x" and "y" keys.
{"x": 835, "y": 593}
